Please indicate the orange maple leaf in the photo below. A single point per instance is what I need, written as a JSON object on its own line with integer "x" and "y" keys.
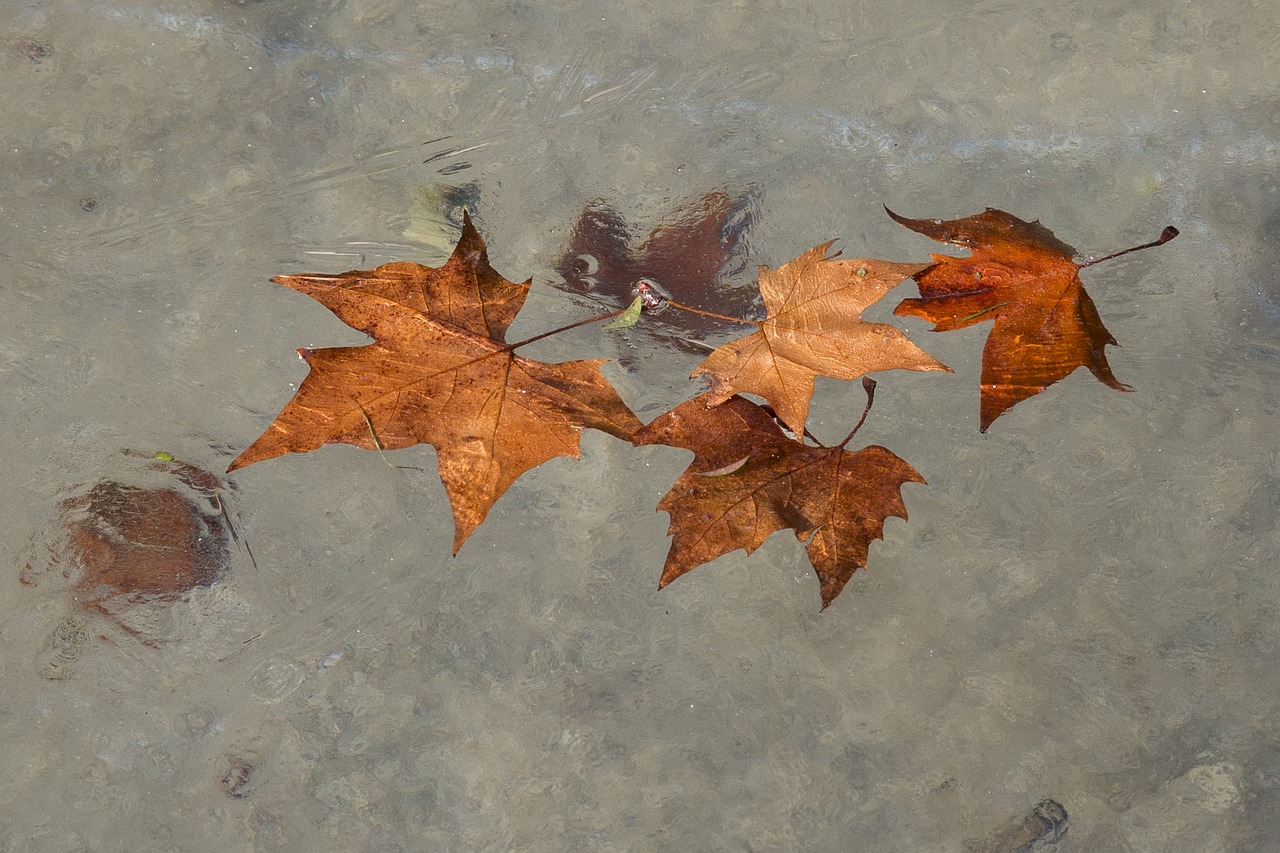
{"x": 1022, "y": 277}
{"x": 438, "y": 372}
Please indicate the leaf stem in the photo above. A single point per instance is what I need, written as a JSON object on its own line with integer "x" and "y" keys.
{"x": 868, "y": 385}
{"x": 710, "y": 314}
{"x": 1166, "y": 235}
{"x": 586, "y": 322}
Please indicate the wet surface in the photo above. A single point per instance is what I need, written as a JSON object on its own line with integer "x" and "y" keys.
{"x": 1083, "y": 605}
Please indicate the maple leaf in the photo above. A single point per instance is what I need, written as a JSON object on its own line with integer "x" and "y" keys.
{"x": 748, "y": 479}
{"x": 438, "y": 372}
{"x": 814, "y": 327}
{"x": 1022, "y": 277}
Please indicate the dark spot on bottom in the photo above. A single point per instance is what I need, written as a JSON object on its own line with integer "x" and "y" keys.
{"x": 1045, "y": 824}
{"x": 27, "y": 47}
{"x": 236, "y": 780}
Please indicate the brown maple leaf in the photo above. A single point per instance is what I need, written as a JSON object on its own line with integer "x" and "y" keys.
{"x": 814, "y": 327}
{"x": 1022, "y": 277}
{"x": 438, "y": 372}
{"x": 749, "y": 480}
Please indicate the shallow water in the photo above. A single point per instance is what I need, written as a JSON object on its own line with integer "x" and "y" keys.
{"x": 1083, "y": 604}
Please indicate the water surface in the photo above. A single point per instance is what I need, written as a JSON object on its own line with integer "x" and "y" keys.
{"x": 1082, "y": 607}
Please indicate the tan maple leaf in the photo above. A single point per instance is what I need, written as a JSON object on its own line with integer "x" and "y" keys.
{"x": 814, "y": 327}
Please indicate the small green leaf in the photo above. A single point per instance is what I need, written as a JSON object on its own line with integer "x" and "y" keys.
{"x": 164, "y": 456}
{"x": 627, "y": 318}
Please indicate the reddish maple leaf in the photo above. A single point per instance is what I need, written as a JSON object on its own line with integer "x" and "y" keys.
{"x": 814, "y": 327}
{"x": 749, "y": 480}
{"x": 1023, "y": 278}
{"x": 438, "y": 372}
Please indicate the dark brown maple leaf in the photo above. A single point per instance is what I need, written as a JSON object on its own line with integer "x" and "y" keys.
{"x": 749, "y": 480}
{"x": 438, "y": 372}
{"x": 698, "y": 247}
{"x": 1021, "y": 277}
{"x": 814, "y": 327}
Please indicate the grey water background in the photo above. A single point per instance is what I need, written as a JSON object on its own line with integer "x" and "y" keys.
{"x": 1083, "y": 605}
